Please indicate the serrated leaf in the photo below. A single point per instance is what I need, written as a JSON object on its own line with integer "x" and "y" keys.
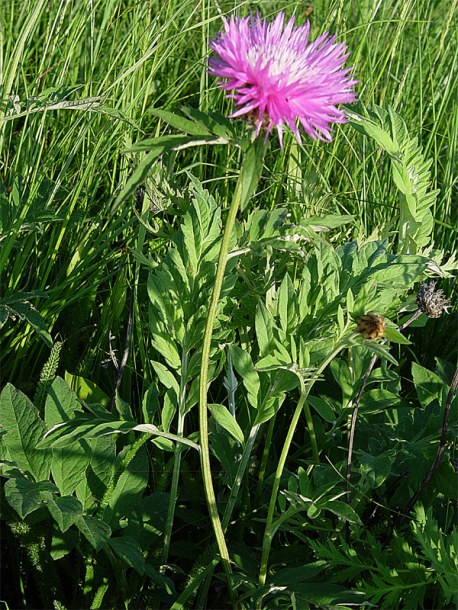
{"x": 68, "y": 466}
{"x": 65, "y": 510}
{"x": 97, "y": 532}
{"x": 61, "y": 403}
{"x": 227, "y": 421}
{"x": 24, "y": 430}
{"x": 24, "y": 496}
{"x": 128, "y": 489}
{"x": 97, "y": 476}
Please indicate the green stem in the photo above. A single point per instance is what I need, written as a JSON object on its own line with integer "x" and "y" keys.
{"x": 311, "y": 429}
{"x": 247, "y": 181}
{"x": 304, "y": 392}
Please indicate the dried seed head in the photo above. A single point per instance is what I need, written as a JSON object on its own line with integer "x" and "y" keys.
{"x": 432, "y": 302}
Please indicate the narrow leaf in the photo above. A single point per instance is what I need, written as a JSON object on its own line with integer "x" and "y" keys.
{"x": 227, "y": 421}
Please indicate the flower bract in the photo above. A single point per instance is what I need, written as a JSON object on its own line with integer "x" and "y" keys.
{"x": 276, "y": 75}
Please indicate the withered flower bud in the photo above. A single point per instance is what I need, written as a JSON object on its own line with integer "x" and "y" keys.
{"x": 432, "y": 302}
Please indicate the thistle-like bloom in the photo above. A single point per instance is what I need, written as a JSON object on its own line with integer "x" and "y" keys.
{"x": 280, "y": 78}
{"x": 432, "y": 302}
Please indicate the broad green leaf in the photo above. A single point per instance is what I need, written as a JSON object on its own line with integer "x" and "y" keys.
{"x": 286, "y": 302}
{"x": 166, "y": 377}
{"x": 24, "y": 430}
{"x": 169, "y": 408}
{"x": 62, "y": 543}
{"x": 99, "y": 473}
{"x": 227, "y": 421}
{"x": 129, "y": 551}
{"x": 343, "y": 377}
{"x": 128, "y": 489}
{"x": 226, "y": 451}
{"x": 68, "y": 465}
{"x": 25, "y": 496}
{"x": 268, "y": 408}
{"x": 83, "y": 427}
{"x": 61, "y": 403}
{"x": 123, "y": 408}
{"x": 428, "y": 385}
{"x": 343, "y": 510}
{"x": 65, "y": 510}
{"x": 97, "y": 532}
{"x": 166, "y": 346}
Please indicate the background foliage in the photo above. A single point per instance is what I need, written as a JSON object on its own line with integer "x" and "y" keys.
{"x": 107, "y": 262}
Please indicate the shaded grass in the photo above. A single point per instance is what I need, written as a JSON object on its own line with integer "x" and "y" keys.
{"x": 61, "y": 168}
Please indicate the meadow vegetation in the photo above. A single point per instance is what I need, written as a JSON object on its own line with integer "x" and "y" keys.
{"x": 333, "y": 455}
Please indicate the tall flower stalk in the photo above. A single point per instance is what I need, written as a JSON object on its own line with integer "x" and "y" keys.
{"x": 248, "y": 179}
{"x": 277, "y": 78}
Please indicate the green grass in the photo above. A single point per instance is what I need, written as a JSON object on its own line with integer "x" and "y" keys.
{"x": 61, "y": 168}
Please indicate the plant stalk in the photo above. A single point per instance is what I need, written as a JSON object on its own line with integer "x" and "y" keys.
{"x": 247, "y": 181}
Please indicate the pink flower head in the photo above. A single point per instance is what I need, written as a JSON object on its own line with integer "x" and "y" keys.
{"x": 276, "y": 73}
